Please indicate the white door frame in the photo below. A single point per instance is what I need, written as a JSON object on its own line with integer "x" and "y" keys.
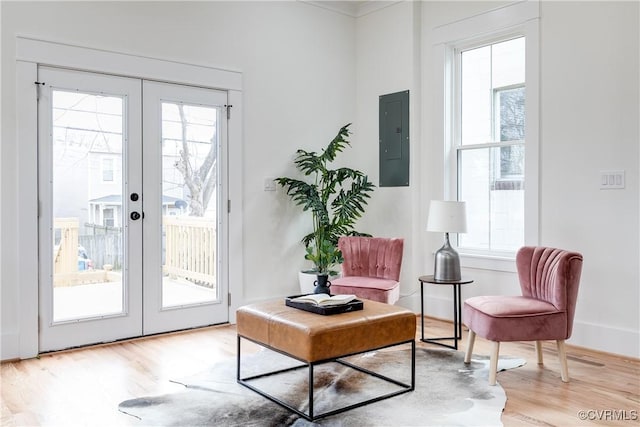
{"x": 32, "y": 52}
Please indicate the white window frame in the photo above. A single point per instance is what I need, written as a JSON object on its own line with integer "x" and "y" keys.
{"x": 519, "y": 19}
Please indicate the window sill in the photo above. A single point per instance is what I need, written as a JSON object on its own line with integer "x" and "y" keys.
{"x": 505, "y": 263}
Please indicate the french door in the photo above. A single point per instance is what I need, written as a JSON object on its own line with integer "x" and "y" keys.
{"x": 130, "y": 184}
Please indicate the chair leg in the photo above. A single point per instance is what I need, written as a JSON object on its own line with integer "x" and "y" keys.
{"x": 539, "y": 351}
{"x": 470, "y": 341}
{"x": 493, "y": 365}
{"x": 562, "y": 355}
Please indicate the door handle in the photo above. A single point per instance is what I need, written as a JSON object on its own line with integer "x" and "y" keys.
{"x": 135, "y": 216}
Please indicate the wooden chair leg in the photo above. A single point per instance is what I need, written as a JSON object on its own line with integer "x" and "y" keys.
{"x": 562, "y": 355}
{"x": 493, "y": 365}
{"x": 470, "y": 341}
{"x": 539, "y": 351}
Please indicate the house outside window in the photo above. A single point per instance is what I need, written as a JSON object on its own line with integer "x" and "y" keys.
{"x": 489, "y": 143}
{"x": 108, "y": 217}
{"x": 107, "y": 170}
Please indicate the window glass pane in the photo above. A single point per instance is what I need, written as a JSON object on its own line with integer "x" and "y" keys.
{"x": 87, "y": 207}
{"x": 512, "y": 162}
{"x": 476, "y": 96}
{"x": 507, "y": 218}
{"x": 495, "y": 205}
{"x": 190, "y": 138}
{"x": 491, "y": 179}
{"x": 507, "y": 63}
{"x": 473, "y": 188}
{"x": 484, "y": 70}
{"x": 510, "y": 113}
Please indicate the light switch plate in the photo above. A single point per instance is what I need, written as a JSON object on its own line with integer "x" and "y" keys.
{"x": 612, "y": 180}
{"x": 269, "y": 184}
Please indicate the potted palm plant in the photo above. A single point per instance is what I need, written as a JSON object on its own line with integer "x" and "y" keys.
{"x": 336, "y": 198}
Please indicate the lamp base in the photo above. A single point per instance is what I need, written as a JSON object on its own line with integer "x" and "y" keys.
{"x": 447, "y": 263}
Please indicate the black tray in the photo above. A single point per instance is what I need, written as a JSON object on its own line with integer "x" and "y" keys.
{"x": 353, "y": 305}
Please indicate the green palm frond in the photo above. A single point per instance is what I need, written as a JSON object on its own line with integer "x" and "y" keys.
{"x": 337, "y": 144}
{"x": 349, "y": 205}
{"x": 308, "y": 162}
{"x": 299, "y": 191}
{"x": 335, "y": 197}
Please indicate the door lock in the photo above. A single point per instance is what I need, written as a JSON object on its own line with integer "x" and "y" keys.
{"x": 134, "y": 197}
{"x": 135, "y": 216}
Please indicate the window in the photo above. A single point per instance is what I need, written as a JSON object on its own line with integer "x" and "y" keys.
{"x": 107, "y": 170}
{"x": 485, "y": 112}
{"x": 108, "y": 218}
{"x": 489, "y": 144}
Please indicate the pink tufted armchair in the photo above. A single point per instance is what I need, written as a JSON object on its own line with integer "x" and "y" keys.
{"x": 549, "y": 280}
{"x": 371, "y": 268}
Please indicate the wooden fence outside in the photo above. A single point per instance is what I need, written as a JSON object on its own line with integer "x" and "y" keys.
{"x": 189, "y": 251}
{"x": 65, "y": 254}
{"x": 104, "y": 249}
{"x": 190, "y": 244}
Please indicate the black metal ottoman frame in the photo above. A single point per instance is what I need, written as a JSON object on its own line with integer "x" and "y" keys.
{"x": 310, "y": 416}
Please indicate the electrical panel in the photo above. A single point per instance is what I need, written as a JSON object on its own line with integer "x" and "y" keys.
{"x": 394, "y": 139}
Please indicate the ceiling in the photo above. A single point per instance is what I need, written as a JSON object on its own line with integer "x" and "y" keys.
{"x": 353, "y": 8}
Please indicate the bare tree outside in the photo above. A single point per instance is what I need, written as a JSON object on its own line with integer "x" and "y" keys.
{"x": 201, "y": 181}
{"x": 512, "y": 120}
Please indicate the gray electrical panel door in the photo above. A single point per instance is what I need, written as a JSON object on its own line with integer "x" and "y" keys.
{"x": 394, "y": 139}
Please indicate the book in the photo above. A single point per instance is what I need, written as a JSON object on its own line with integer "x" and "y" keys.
{"x": 324, "y": 300}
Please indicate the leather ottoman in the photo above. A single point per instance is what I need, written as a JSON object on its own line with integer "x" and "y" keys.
{"x": 314, "y": 339}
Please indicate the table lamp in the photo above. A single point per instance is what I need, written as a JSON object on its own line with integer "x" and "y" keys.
{"x": 447, "y": 217}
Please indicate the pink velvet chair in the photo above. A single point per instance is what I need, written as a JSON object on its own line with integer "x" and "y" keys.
{"x": 549, "y": 280}
{"x": 371, "y": 268}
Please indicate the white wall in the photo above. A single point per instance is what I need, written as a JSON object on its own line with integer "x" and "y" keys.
{"x": 308, "y": 71}
{"x": 590, "y": 113}
{"x": 589, "y": 122}
{"x": 298, "y": 71}
{"x": 388, "y": 61}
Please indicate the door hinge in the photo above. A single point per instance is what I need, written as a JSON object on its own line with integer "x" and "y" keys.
{"x": 38, "y": 85}
{"x": 228, "y": 107}
{"x": 229, "y": 299}
{"x": 228, "y": 206}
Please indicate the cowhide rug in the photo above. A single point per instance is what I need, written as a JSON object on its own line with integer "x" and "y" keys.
{"x": 447, "y": 393}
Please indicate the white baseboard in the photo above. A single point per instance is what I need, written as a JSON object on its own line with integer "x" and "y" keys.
{"x": 9, "y": 346}
{"x": 621, "y": 341}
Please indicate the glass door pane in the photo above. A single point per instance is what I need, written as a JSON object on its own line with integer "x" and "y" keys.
{"x": 190, "y": 139}
{"x": 87, "y": 167}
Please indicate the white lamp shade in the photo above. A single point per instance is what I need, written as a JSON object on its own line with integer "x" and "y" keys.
{"x": 447, "y": 217}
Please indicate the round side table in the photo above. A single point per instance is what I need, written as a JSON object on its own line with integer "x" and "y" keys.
{"x": 457, "y": 309}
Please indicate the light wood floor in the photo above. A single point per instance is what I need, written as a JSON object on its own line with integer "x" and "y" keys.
{"x": 84, "y": 386}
